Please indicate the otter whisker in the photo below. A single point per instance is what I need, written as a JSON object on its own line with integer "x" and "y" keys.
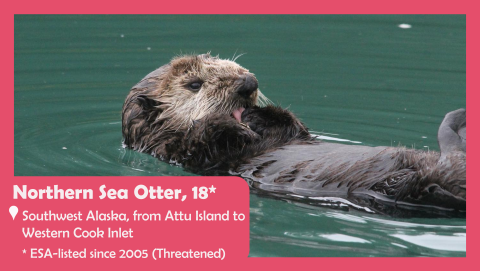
{"x": 235, "y": 59}
{"x": 262, "y": 100}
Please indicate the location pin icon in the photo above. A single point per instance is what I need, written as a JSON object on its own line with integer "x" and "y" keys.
{"x": 13, "y": 211}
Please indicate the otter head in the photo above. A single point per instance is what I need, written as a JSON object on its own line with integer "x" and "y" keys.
{"x": 190, "y": 88}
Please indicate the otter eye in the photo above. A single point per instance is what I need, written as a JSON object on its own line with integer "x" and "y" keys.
{"x": 195, "y": 86}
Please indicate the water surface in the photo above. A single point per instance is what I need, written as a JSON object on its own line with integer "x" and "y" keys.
{"x": 371, "y": 80}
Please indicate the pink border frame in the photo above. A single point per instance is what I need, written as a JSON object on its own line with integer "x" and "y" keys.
{"x": 255, "y": 7}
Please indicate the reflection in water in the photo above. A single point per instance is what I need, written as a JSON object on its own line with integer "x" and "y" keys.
{"x": 325, "y": 231}
{"x": 343, "y": 238}
{"x": 457, "y": 242}
{"x": 321, "y": 136}
{"x": 341, "y": 202}
{"x": 405, "y": 26}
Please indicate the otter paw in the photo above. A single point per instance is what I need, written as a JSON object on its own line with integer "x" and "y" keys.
{"x": 272, "y": 120}
{"x": 231, "y": 133}
{"x": 224, "y": 131}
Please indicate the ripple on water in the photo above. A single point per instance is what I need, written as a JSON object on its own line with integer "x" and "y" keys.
{"x": 354, "y": 233}
{"x": 90, "y": 147}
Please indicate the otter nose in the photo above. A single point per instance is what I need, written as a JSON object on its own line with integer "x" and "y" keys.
{"x": 248, "y": 85}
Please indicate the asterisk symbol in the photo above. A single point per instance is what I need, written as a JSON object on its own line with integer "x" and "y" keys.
{"x": 212, "y": 189}
{"x": 24, "y": 251}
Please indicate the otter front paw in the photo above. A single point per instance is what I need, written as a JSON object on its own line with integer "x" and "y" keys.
{"x": 272, "y": 119}
{"x": 230, "y": 133}
{"x": 223, "y": 132}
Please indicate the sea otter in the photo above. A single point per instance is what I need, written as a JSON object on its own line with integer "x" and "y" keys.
{"x": 208, "y": 115}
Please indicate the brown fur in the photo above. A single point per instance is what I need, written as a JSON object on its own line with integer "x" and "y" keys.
{"x": 165, "y": 117}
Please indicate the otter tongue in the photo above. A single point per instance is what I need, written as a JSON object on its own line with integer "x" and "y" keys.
{"x": 237, "y": 114}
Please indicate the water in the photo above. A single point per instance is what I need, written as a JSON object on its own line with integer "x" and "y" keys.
{"x": 371, "y": 80}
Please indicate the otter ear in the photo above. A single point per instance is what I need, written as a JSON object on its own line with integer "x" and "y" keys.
{"x": 143, "y": 92}
{"x": 146, "y": 102}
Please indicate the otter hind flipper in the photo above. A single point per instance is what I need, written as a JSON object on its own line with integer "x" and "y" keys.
{"x": 452, "y": 134}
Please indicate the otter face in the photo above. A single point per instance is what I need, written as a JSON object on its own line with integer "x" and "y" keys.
{"x": 193, "y": 87}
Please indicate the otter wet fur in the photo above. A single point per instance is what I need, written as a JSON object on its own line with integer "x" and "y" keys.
{"x": 208, "y": 115}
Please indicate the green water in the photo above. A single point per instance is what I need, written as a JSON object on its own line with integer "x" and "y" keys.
{"x": 358, "y": 78}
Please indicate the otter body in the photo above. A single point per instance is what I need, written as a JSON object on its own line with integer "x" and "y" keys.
{"x": 208, "y": 115}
